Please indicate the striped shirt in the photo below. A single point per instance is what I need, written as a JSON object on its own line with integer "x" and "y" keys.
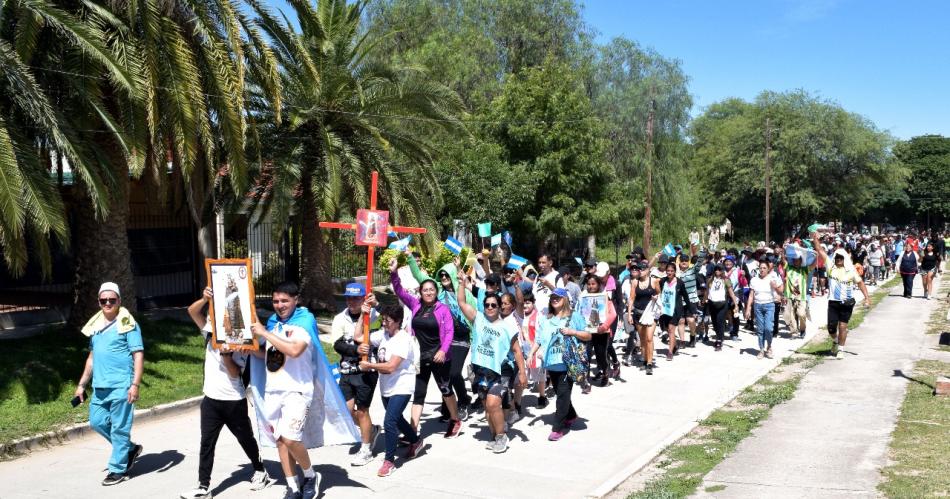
{"x": 841, "y": 283}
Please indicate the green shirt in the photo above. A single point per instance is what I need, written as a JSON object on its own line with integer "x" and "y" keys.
{"x": 796, "y": 282}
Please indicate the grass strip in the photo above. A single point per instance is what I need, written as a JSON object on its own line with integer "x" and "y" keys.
{"x": 685, "y": 464}
{"x": 918, "y": 449}
{"x": 40, "y": 375}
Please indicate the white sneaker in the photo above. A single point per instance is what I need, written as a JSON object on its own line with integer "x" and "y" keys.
{"x": 198, "y": 492}
{"x": 363, "y": 457}
{"x": 261, "y": 480}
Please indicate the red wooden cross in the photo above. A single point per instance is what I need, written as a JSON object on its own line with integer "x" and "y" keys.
{"x": 371, "y": 237}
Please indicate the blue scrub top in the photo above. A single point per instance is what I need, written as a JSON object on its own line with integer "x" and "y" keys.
{"x": 112, "y": 365}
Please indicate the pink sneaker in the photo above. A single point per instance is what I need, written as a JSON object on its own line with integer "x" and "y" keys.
{"x": 455, "y": 428}
{"x": 386, "y": 469}
{"x": 555, "y": 436}
{"x": 415, "y": 449}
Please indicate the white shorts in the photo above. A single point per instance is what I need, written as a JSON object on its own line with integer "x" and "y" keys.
{"x": 286, "y": 414}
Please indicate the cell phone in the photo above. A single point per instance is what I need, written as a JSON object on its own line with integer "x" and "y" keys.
{"x": 76, "y": 401}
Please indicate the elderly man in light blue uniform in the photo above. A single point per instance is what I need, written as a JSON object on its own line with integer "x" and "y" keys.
{"x": 115, "y": 367}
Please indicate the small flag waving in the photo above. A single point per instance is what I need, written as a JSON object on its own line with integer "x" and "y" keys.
{"x": 401, "y": 244}
{"x": 484, "y": 229}
{"x": 669, "y": 250}
{"x": 454, "y": 245}
{"x": 496, "y": 240}
{"x": 516, "y": 262}
{"x": 507, "y": 237}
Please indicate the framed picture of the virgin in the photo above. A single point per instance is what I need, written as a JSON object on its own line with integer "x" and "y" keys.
{"x": 231, "y": 310}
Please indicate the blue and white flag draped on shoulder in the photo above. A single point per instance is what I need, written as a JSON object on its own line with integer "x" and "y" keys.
{"x": 329, "y": 421}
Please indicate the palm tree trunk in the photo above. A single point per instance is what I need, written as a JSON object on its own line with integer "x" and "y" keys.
{"x": 101, "y": 247}
{"x": 316, "y": 284}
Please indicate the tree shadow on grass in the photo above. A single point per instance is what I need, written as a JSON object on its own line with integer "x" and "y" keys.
{"x": 898, "y": 373}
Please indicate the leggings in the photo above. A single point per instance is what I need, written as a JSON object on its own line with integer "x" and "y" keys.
{"x": 438, "y": 371}
{"x": 717, "y": 313}
{"x": 564, "y": 409}
{"x": 459, "y": 354}
{"x": 394, "y": 423}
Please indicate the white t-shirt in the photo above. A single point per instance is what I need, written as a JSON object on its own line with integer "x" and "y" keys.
{"x": 762, "y": 288}
{"x": 295, "y": 374}
{"x": 542, "y": 293}
{"x": 717, "y": 289}
{"x": 402, "y": 381}
{"x": 218, "y": 383}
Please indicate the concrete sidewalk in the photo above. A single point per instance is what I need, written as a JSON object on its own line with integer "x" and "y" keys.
{"x": 622, "y": 428}
{"x": 831, "y": 439}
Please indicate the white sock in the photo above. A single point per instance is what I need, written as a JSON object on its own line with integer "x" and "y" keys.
{"x": 309, "y": 473}
{"x": 292, "y": 484}
{"x": 366, "y": 446}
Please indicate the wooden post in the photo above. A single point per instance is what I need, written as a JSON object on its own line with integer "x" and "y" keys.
{"x": 768, "y": 180}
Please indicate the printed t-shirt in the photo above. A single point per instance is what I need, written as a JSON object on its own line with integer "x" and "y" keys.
{"x": 542, "y": 294}
{"x": 401, "y": 381}
{"x": 491, "y": 342}
{"x": 286, "y": 373}
{"x": 551, "y": 341}
{"x": 112, "y": 364}
{"x": 841, "y": 282}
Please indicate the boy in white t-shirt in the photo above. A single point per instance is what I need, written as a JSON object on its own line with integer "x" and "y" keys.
{"x": 288, "y": 390}
{"x": 224, "y": 404}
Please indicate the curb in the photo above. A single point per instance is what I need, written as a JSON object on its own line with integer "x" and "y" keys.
{"x": 22, "y": 447}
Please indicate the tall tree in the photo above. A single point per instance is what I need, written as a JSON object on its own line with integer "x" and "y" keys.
{"x": 345, "y": 114}
{"x": 825, "y": 160}
{"x": 927, "y": 158}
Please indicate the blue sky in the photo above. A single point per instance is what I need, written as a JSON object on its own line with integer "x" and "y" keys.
{"x": 886, "y": 60}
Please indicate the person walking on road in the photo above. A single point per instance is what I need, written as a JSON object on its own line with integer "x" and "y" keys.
{"x": 114, "y": 365}
{"x": 841, "y": 281}
{"x": 929, "y": 263}
{"x": 908, "y": 264}
{"x": 224, "y": 404}
{"x": 763, "y": 288}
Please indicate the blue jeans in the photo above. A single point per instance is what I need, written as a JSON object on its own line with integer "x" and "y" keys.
{"x": 763, "y": 323}
{"x": 394, "y": 423}
{"x": 110, "y": 414}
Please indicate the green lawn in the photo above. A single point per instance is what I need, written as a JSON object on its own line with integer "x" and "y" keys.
{"x": 40, "y": 375}
{"x": 921, "y": 440}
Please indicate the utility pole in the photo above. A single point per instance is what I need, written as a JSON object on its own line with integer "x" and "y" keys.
{"x": 768, "y": 174}
{"x": 648, "y": 209}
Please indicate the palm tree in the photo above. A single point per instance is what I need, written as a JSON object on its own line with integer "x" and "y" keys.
{"x": 34, "y": 129}
{"x": 185, "y": 114}
{"x": 344, "y": 115}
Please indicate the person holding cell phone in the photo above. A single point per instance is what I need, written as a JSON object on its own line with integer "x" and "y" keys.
{"x": 114, "y": 366}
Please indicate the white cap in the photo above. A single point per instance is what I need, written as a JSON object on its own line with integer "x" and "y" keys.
{"x": 602, "y": 269}
{"x": 110, "y": 286}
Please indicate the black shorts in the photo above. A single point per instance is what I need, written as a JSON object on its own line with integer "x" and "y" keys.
{"x": 359, "y": 387}
{"x": 692, "y": 310}
{"x": 820, "y": 272}
{"x": 488, "y": 382}
{"x": 839, "y": 312}
{"x": 666, "y": 321}
{"x": 442, "y": 374}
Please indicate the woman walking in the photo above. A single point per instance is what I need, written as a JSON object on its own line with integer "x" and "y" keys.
{"x": 908, "y": 264}
{"x": 601, "y": 338}
{"x": 433, "y": 325}
{"x": 554, "y": 331}
{"x": 644, "y": 292}
{"x": 929, "y": 263}
{"x": 763, "y": 288}
{"x": 719, "y": 296}
{"x": 673, "y": 299}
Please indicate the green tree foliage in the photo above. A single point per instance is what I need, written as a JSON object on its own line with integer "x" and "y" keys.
{"x": 928, "y": 159}
{"x": 825, "y": 160}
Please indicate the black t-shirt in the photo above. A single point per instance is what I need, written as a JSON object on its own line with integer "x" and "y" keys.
{"x": 928, "y": 262}
{"x": 426, "y": 327}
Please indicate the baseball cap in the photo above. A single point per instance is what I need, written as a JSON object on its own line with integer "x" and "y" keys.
{"x": 110, "y": 286}
{"x": 602, "y": 269}
{"x": 354, "y": 289}
{"x": 590, "y": 263}
{"x": 561, "y": 292}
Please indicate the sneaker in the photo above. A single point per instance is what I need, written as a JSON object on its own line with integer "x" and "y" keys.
{"x": 542, "y": 402}
{"x": 463, "y": 413}
{"x": 362, "y": 458}
{"x": 669, "y": 355}
{"x": 310, "y": 487}
{"x": 386, "y": 469}
{"x": 834, "y": 350}
{"x": 374, "y": 436}
{"x": 801, "y": 335}
{"x": 454, "y": 428}
{"x": 718, "y": 346}
{"x": 649, "y": 369}
{"x": 585, "y": 389}
{"x": 692, "y": 342}
{"x": 615, "y": 372}
{"x": 839, "y": 354}
{"x": 760, "y": 354}
{"x": 291, "y": 494}
{"x": 501, "y": 444}
{"x": 415, "y": 449}
{"x": 555, "y": 436}
{"x": 114, "y": 478}
{"x": 768, "y": 354}
{"x": 198, "y": 492}
{"x": 513, "y": 417}
{"x": 260, "y": 480}
{"x": 490, "y": 445}
{"x": 134, "y": 454}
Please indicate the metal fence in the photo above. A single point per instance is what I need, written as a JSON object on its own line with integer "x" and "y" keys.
{"x": 346, "y": 264}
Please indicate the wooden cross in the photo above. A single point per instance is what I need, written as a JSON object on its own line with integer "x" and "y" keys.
{"x": 376, "y": 237}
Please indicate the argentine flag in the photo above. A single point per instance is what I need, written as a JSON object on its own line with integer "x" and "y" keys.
{"x": 401, "y": 244}
{"x": 516, "y": 262}
{"x": 669, "y": 249}
{"x": 454, "y": 245}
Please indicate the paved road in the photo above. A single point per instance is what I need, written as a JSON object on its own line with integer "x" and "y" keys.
{"x": 623, "y": 427}
{"x": 831, "y": 439}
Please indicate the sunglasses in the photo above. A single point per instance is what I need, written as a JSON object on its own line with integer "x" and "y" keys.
{"x": 491, "y": 305}
{"x": 110, "y": 301}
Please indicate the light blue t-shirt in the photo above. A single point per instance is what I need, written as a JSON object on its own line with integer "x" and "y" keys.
{"x": 112, "y": 365}
{"x": 491, "y": 342}
{"x": 551, "y": 342}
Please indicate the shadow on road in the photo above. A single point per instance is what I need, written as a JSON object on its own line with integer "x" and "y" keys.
{"x": 157, "y": 463}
